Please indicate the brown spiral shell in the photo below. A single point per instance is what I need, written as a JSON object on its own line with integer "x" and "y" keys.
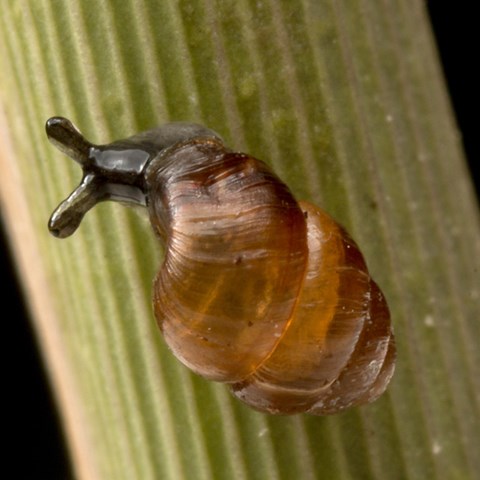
{"x": 256, "y": 290}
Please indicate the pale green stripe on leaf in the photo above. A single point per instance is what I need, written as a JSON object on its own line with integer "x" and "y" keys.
{"x": 346, "y": 101}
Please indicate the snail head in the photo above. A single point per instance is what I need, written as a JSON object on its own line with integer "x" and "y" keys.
{"x": 110, "y": 172}
{"x": 114, "y": 171}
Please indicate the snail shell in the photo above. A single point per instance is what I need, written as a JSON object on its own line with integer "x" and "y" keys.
{"x": 256, "y": 290}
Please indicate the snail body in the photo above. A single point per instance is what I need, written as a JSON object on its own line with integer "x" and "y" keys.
{"x": 257, "y": 290}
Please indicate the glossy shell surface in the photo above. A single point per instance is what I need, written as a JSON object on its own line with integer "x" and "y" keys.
{"x": 261, "y": 291}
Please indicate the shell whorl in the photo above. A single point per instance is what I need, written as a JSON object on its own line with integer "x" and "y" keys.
{"x": 236, "y": 253}
{"x": 262, "y": 292}
{"x": 338, "y": 350}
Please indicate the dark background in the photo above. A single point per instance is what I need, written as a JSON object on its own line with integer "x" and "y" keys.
{"x": 33, "y": 435}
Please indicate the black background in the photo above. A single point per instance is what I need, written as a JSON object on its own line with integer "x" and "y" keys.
{"x": 35, "y": 446}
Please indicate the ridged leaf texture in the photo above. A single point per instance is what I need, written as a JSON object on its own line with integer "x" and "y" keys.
{"x": 346, "y": 101}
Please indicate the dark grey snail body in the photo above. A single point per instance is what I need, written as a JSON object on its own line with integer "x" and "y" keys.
{"x": 257, "y": 290}
{"x": 115, "y": 171}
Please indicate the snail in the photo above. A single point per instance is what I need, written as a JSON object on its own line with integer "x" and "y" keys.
{"x": 266, "y": 294}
